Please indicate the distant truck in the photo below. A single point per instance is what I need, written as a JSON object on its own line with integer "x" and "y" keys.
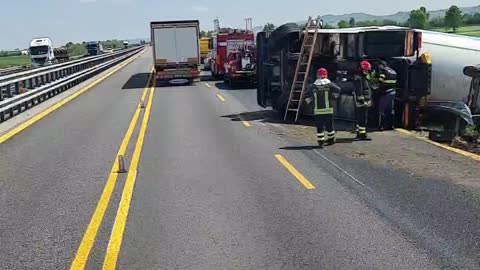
{"x": 94, "y": 48}
{"x": 43, "y": 53}
{"x": 125, "y": 44}
{"x": 225, "y": 41}
{"x": 176, "y": 51}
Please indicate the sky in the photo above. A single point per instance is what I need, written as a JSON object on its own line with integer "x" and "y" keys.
{"x": 85, "y": 20}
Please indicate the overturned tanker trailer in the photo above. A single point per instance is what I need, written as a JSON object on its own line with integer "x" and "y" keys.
{"x": 340, "y": 51}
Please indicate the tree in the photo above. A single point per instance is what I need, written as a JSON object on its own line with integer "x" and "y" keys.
{"x": 269, "y": 27}
{"x": 389, "y": 22}
{"x": 328, "y": 26}
{"x": 352, "y": 22}
{"x": 453, "y": 18}
{"x": 437, "y": 22}
{"x": 343, "y": 24}
{"x": 69, "y": 44}
{"x": 418, "y": 18}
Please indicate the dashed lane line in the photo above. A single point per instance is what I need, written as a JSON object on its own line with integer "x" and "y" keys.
{"x": 304, "y": 181}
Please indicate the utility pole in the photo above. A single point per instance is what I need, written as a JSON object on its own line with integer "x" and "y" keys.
{"x": 249, "y": 24}
{"x": 216, "y": 25}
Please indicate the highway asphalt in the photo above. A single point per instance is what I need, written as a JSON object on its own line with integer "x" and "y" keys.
{"x": 211, "y": 191}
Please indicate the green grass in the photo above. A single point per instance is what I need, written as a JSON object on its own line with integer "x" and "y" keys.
{"x": 470, "y": 30}
{"x": 12, "y": 61}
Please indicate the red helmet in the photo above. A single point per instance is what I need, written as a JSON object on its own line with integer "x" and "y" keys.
{"x": 322, "y": 73}
{"x": 365, "y": 65}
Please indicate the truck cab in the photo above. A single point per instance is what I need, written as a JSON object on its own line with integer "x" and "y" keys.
{"x": 94, "y": 48}
{"x": 239, "y": 67}
{"x": 340, "y": 51}
{"x": 41, "y": 52}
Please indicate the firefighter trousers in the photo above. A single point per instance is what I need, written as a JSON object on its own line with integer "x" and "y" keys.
{"x": 362, "y": 117}
{"x": 324, "y": 122}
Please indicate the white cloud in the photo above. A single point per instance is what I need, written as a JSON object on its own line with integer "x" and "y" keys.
{"x": 88, "y": 1}
{"x": 200, "y": 8}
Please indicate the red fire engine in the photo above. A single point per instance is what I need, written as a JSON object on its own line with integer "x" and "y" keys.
{"x": 225, "y": 41}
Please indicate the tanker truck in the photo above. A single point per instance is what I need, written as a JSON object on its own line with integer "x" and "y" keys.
{"x": 456, "y": 71}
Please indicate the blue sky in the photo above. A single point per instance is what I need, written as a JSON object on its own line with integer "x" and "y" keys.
{"x": 82, "y": 20}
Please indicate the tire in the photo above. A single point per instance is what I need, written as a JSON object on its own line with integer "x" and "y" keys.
{"x": 280, "y": 35}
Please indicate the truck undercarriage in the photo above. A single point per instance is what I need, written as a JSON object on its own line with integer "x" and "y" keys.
{"x": 340, "y": 51}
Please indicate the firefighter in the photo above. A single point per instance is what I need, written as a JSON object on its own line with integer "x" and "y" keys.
{"x": 362, "y": 96}
{"x": 323, "y": 91}
{"x": 384, "y": 94}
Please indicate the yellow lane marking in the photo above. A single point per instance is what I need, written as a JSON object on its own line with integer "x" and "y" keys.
{"x": 221, "y": 98}
{"x": 246, "y": 123}
{"x": 116, "y": 236}
{"x": 91, "y": 233}
{"x": 208, "y": 85}
{"x": 47, "y": 111}
{"x": 452, "y": 149}
{"x": 295, "y": 172}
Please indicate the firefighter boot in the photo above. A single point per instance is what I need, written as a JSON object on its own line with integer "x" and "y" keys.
{"x": 321, "y": 139}
{"x": 330, "y": 138}
{"x": 362, "y": 134}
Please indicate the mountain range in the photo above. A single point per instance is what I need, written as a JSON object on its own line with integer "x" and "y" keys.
{"x": 398, "y": 17}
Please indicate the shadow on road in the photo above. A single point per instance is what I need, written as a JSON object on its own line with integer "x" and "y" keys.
{"x": 267, "y": 116}
{"x": 137, "y": 81}
{"x": 304, "y": 147}
{"x": 238, "y": 86}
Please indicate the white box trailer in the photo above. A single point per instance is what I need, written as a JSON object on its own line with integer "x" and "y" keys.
{"x": 176, "y": 50}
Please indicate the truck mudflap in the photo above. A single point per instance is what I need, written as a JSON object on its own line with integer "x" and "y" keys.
{"x": 191, "y": 74}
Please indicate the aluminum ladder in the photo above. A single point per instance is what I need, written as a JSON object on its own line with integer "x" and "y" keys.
{"x": 300, "y": 79}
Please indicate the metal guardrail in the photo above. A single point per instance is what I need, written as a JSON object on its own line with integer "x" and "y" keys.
{"x": 31, "y": 71}
{"x": 55, "y": 81}
{"x": 11, "y": 70}
{"x": 12, "y": 85}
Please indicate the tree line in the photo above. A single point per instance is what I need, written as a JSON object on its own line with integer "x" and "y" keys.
{"x": 418, "y": 18}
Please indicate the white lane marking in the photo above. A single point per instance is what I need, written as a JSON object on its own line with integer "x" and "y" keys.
{"x": 344, "y": 171}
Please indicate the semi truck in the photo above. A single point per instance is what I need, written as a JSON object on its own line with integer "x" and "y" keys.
{"x": 224, "y": 42}
{"x": 94, "y": 48}
{"x": 125, "y": 44}
{"x": 340, "y": 51}
{"x": 176, "y": 50}
{"x": 43, "y": 53}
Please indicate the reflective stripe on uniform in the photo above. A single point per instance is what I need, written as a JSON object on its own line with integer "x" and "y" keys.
{"x": 323, "y": 111}
{"x": 388, "y": 81}
{"x": 331, "y": 134}
{"x": 321, "y": 136}
{"x": 327, "y": 102}
{"x": 362, "y": 130}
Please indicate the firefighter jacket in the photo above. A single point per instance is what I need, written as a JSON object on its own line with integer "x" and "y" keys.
{"x": 323, "y": 91}
{"x": 384, "y": 80}
{"x": 362, "y": 89}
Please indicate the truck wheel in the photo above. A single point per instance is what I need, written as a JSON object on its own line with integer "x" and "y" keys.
{"x": 279, "y": 35}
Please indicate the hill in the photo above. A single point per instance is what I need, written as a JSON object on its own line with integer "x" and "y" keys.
{"x": 398, "y": 17}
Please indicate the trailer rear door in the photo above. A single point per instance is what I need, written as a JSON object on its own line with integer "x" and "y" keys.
{"x": 187, "y": 45}
{"x": 164, "y": 45}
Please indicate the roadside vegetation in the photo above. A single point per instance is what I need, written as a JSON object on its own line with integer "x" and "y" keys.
{"x": 470, "y": 141}
{"x": 454, "y": 21}
{"x": 15, "y": 58}
{"x": 13, "y": 61}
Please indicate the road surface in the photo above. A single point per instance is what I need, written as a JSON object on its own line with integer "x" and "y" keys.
{"x": 208, "y": 188}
